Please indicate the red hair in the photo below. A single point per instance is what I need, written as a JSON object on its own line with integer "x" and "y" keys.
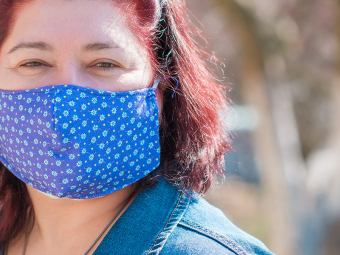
{"x": 193, "y": 135}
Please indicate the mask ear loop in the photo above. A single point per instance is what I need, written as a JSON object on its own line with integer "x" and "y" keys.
{"x": 155, "y": 85}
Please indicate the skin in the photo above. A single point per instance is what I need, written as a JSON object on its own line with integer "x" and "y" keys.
{"x": 91, "y": 47}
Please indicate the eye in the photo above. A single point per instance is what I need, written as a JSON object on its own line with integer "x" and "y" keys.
{"x": 106, "y": 65}
{"x": 32, "y": 64}
{"x": 30, "y": 67}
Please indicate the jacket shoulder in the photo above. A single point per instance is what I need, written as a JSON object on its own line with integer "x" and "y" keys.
{"x": 183, "y": 241}
{"x": 204, "y": 227}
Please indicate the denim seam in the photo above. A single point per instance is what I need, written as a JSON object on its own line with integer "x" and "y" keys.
{"x": 214, "y": 235}
{"x": 172, "y": 213}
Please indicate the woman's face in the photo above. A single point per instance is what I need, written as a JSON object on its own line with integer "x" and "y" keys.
{"x": 79, "y": 42}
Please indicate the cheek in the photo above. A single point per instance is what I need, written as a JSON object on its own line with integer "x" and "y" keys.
{"x": 10, "y": 81}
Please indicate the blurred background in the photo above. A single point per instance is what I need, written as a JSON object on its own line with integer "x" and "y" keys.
{"x": 281, "y": 61}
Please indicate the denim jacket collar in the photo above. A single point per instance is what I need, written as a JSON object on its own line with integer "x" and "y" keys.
{"x": 147, "y": 223}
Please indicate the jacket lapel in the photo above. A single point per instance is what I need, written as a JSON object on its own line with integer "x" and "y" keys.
{"x": 147, "y": 223}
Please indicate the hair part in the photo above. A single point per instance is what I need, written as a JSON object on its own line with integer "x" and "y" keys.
{"x": 193, "y": 136}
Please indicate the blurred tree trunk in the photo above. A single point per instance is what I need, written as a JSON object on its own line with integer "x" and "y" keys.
{"x": 334, "y": 137}
{"x": 324, "y": 163}
{"x": 324, "y": 167}
{"x": 336, "y": 110}
{"x": 255, "y": 93}
{"x": 333, "y": 141}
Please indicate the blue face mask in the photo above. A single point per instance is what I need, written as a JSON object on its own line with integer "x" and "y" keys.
{"x": 76, "y": 142}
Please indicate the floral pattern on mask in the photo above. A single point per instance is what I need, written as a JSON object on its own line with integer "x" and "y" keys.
{"x": 76, "y": 142}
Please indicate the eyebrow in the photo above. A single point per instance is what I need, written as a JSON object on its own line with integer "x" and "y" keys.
{"x": 32, "y": 45}
{"x": 46, "y": 47}
{"x": 99, "y": 46}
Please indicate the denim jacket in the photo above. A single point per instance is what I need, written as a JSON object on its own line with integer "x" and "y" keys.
{"x": 164, "y": 220}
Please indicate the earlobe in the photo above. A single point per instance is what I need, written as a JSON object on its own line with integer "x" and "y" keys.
{"x": 157, "y": 80}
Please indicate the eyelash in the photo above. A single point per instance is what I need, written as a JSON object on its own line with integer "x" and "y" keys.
{"x": 106, "y": 68}
{"x": 33, "y": 66}
{"x": 41, "y": 64}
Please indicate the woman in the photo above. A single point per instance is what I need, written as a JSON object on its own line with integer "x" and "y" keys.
{"x": 109, "y": 130}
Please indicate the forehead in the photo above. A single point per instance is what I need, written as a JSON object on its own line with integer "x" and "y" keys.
{"x": 60, "y": 22}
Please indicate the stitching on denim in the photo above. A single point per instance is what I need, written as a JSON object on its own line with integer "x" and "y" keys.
{"x": 179, "y": 200}
{"x": 213, "y": 234}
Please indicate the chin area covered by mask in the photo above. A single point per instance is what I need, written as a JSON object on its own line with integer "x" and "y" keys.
{"x": 57, "y": 198}
{"x": 75, "y": 142}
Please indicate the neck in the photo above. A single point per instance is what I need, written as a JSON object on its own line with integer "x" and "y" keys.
{"x": 66, "y": 226}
